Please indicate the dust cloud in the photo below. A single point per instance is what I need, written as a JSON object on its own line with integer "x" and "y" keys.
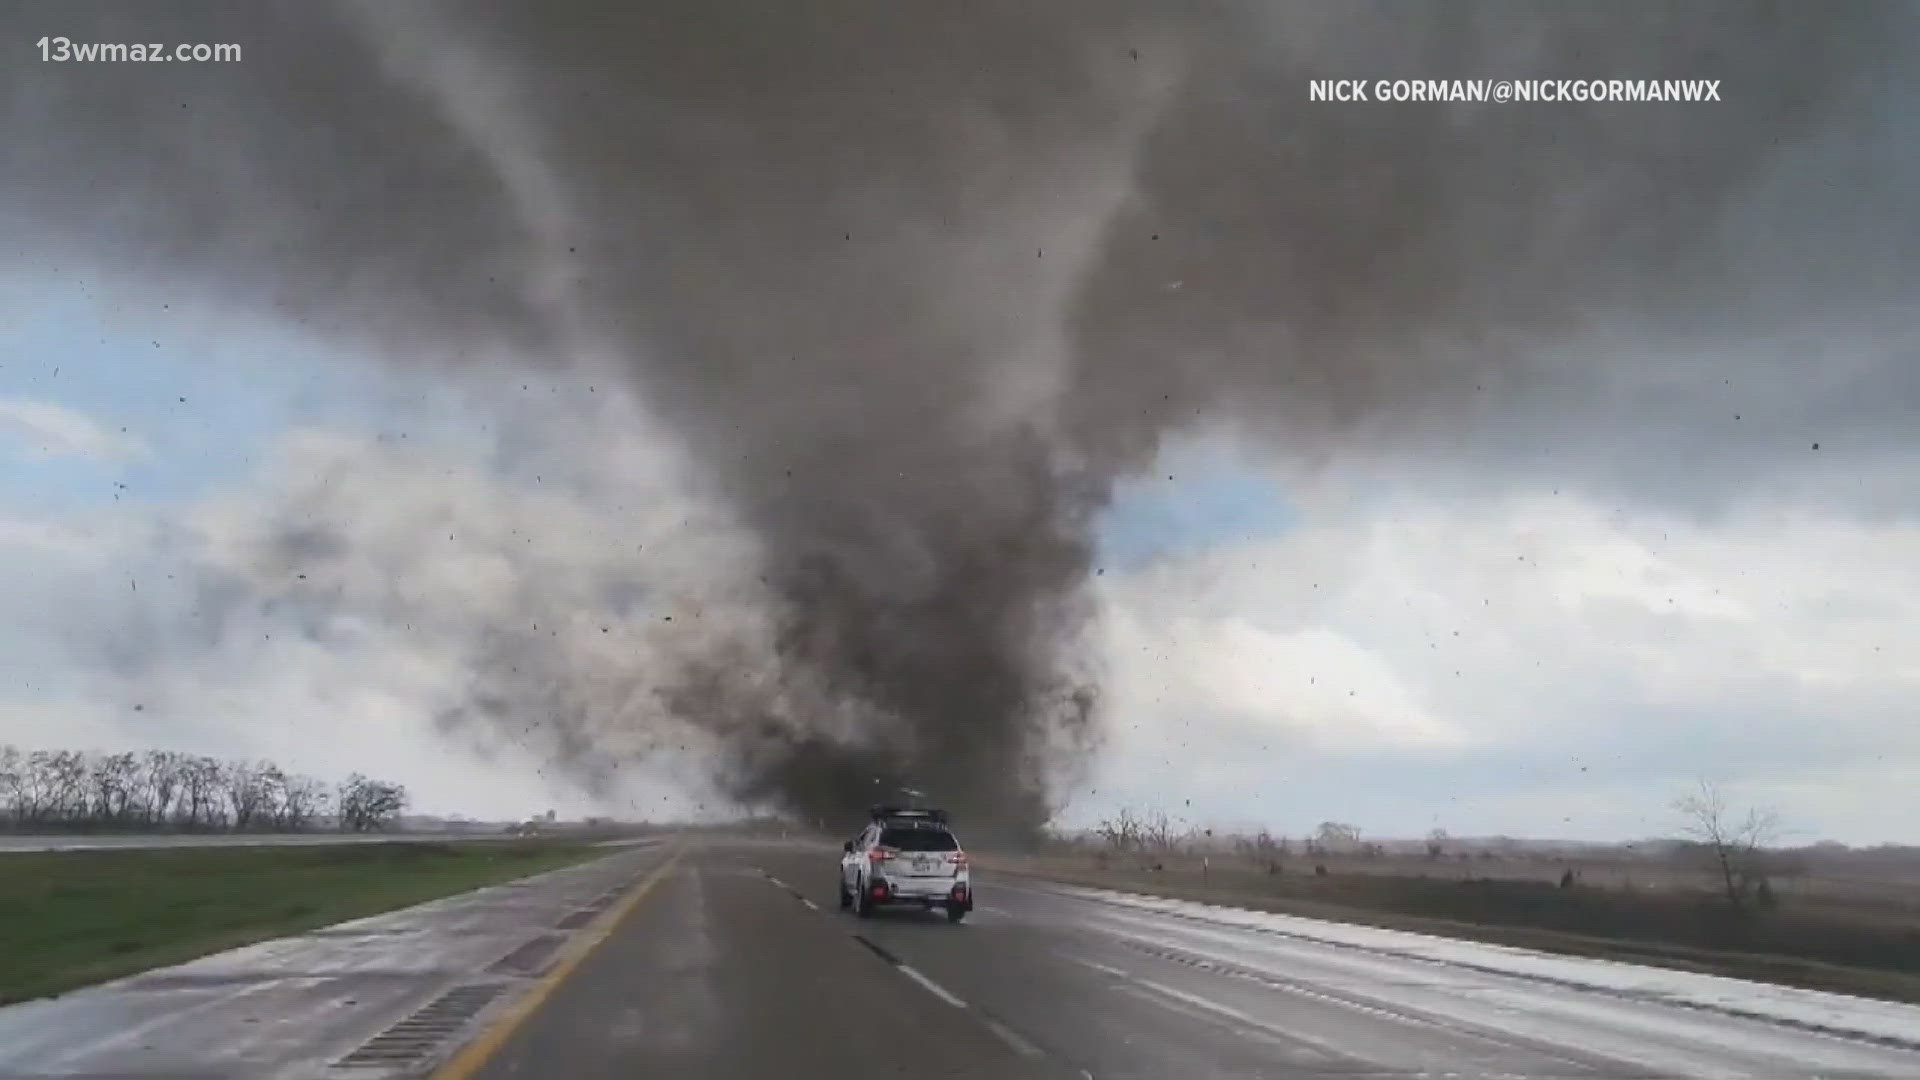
{"x": 914, "y": 284}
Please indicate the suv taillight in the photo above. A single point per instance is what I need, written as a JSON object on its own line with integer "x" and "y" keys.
{"x": 880, "y": 854}
{"x": 957, "y": 858}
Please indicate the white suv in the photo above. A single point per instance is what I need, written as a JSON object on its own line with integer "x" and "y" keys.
{"x": 906, "y": 857}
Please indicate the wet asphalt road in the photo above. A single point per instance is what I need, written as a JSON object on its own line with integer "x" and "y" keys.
{"x": 729, "y": 960}
{"x": 737, "y": 964}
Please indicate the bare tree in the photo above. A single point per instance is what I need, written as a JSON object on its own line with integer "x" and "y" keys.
{"x": 1140, "y": 833}
{"x": 64, "y": 781}
{"x": 138, "y": 810}
{"x": 273, "y": 793}
{"x": 1264, "y": 851}
{"x": 114, "y": 780}
{"x": 249, "y": 788}
{"x": 368, "y": 805}
{"x": 1121, "y": 831}
{"x": 12, "y": 766}
{"x": 302, "y": 798}
{"x": 162, "y": 771}
{"x": 1734, "y": 841}
{"x": 159, "y": 789}
{"x": 1437, "y": 841}
{"x": 1156, "y": 833}
{"x": 29, "y": 785}
{"x": 200, "y": 794}
{"x": 1333, "y": 835}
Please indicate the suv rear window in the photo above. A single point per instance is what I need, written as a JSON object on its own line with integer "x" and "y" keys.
{"x": 919, "y": 840}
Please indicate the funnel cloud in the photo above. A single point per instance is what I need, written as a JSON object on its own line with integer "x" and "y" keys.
{"x": 912, "y": 286}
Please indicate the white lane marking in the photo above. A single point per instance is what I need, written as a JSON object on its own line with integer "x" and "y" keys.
{"x": 810, "y": 904}
{"x": 1226, "y": 968}
{"x": 1207, "y": 1004}
{"x": 1012, "y": 1038}
{"x": 1247, "y": 1022}
{"x": 777, "y": 881}
{"x": 933, "y": 988}
{"x": 1226, "y": 1012}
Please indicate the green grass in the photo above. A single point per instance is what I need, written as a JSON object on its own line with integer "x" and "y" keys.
{"x": 72, "y": 918}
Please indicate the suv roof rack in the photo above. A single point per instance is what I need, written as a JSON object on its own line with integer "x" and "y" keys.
{"x": 904, "y": 813}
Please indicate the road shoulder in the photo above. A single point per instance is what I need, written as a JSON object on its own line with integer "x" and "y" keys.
{"x": 406, "y": 983}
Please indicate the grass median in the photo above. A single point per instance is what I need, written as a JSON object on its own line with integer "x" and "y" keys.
{"x": 68, "y": 919}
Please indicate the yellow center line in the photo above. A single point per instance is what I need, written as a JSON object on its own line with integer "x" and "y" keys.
{"x": 474, "y": 1055}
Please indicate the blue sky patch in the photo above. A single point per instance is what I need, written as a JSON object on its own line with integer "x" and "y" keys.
{"x": 205, "y": 392}
{"x": 1200, "y": 494}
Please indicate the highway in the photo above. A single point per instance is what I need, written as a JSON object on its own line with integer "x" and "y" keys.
{"x": 729, "y": 960}
{"x": 737, "y": 964}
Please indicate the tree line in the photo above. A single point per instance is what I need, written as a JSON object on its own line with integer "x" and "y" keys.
{"x": 167, "y": 791}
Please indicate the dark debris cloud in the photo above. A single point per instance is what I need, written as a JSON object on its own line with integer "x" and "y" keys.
{"x": 916, "y": 283}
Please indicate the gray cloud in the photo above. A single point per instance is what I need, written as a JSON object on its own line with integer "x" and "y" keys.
{"x": 1530, "y": 664}
{"x": 914, "y": 284}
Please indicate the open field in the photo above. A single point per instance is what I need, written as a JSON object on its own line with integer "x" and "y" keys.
{"x": 72, "y": 918}
{"x": 1853, "y": 933}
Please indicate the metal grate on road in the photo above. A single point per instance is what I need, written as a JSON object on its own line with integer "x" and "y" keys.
{"x": 574, "y": 920}
{"x": 530, "y": 959}
{"x": 412, "y": 1040}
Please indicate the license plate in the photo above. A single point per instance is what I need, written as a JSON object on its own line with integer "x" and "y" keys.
{"x": 923, "y": 864}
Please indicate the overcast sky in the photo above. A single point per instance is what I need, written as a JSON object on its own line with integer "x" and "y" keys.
{"x": 1628, "y": 549}
{"x": 1400, "y": 644}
